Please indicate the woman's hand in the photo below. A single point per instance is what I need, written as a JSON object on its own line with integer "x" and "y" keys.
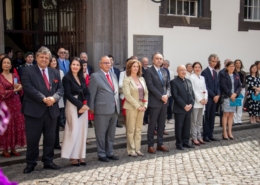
{"x": 83, "y": 109}
{"x": 17, "y": 87}
{"x": 142, "y": 109}
{"x": 233, "y": 97}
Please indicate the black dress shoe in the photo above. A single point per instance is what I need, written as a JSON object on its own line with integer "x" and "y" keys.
{"x": 57, "y": 147}
{"x": 118, "y": 125}
{"x": 179, "y": 148}
{"x": 206, "y": 140}
{"x": 103, "y": 159}
{"x": 213, "y": 139}
{"x": 188, "y": 146}
{"x": 51, "y": 166}
{"x": 83, "y": 163}
{"x": 113, "y": 157}
{"x": 29, "y": 169}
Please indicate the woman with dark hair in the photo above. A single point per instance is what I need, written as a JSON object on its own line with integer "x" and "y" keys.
{"x": 230, "y": 86}
{"x": 76, "y": 128}
{"x": 136, "y": 95}
{"x": 242, "y": 75}
{"x": 257, "y": 63}
{"x": 10, "y": 92}
{"x": 253, "y": 84}
{"x": 201, "y": 99}
{"x": 61, "y": 119}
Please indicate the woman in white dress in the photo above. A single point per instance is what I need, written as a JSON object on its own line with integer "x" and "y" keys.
{"x": 76, "y": 128}
{"x": 201, "y": 99}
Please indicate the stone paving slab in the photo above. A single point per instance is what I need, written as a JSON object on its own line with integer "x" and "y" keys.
{"x": 222, "y": 162}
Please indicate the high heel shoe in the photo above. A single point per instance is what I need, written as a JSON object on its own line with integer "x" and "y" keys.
{"x": 202, "y": 142}
{"x": 225, "y": 138}
{"x": 231, "y": 138}
{"x": 198, "y": 144}
{"x": 6, "y": 154}
{"x": 15, "y": 153}
{"x": 82, "y": 162}
{"x": 75, "y": 162}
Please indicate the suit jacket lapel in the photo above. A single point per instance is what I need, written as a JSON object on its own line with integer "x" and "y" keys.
{"x": 104, "y": 78}
{"x": 157, "y": 75}
{"x": 40, "y": 77}
{"x": 51, "y": 77}
{"x": 133, "y": 83}
{"x": 114, "y": 80}
{"x": 142, "y": 82}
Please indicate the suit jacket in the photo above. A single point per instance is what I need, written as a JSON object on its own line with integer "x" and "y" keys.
{"x": 155, "y": 87}
{"x": 226, "y": 84}
{"x": 131, "y": 93}
{"x": 90, "y": 69}
{"x": 103, "y": 100}
{"x": 72, "y": 88}
{"x": 117, "y": 73}
{"x": 65, "y": 71}
{"x": 21, "y": 68}
{"x": 211, "y": 84}
{"x": 181, "y": 96}
{"x": 18, "y": 63}
{"x": 143, "y": 71}
{"x": 35, "y": 91}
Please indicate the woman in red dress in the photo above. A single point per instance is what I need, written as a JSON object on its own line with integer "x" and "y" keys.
{"x": 10, "y": 92}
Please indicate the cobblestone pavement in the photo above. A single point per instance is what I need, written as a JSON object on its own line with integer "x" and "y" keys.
{"x": 222, "y": 162}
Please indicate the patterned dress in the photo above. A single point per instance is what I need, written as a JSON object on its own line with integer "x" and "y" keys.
{"x": 15, "y": 133}
{"x": 253, "y": 106}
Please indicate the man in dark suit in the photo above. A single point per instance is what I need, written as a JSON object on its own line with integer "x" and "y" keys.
{"x": 212, "y": 85}
{"x": 145, "y": 63}
{"x": 19, "y": 61}
{"x": 84, "y": 56}
{"x": 28, "y": 62}
{"x": 183, "y": 95}
{"x": 42, "y": 91}
{"x": 116, "y": 71}
{"x": 158, "y": 84}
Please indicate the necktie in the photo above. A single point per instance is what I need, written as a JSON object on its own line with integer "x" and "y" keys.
{"x": 45, "y": 79}
{"x": 213, "y": 74}
{"x": 160, "y": 75}
{"x": 110, "y": 82}
{"x": 64, "y": 65}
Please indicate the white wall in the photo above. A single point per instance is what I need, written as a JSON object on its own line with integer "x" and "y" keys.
{"x": 186, "y": 44}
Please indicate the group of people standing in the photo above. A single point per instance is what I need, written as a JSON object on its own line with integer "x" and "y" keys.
{"x": 56, "y": 90}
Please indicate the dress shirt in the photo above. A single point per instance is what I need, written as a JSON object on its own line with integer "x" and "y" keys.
{"x": 211, "y": 70}
{"x": 45, "y": 71}
{"x": 109, "y": 76}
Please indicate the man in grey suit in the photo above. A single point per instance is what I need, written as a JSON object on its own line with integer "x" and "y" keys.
{"x": 158, "y": 84}
{"x": 104, "y": 103}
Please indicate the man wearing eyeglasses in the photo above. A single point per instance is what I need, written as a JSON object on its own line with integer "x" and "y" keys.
{"x": 104, "y": 103}
{"x": 63, "y": 62}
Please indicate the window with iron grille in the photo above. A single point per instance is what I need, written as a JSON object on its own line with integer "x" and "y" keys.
{"x": 183, "y": 8}
{"x": 252, "y": 10}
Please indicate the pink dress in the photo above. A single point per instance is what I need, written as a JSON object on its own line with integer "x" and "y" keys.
{"x": 14, "y": 136}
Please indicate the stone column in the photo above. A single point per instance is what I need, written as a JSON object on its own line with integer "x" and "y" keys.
{"x": 2, "y": 35}
{"x": 106, "y": 29}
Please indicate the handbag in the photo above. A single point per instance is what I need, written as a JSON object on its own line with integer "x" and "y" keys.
{"x": 237, "y": 102}
{"x": 256, "y": 98}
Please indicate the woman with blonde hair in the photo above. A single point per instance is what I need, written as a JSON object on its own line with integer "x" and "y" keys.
{"x": 136, "y": 95}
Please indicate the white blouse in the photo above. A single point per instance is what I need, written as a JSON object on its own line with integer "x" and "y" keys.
{"x": 199, "y": 88}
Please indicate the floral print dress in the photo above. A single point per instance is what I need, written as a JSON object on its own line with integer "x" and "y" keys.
{"x": 253, "y": 106}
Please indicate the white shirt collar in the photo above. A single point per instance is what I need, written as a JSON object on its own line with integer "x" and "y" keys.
{"x": 156, "y": 68}
{"x": 105, "y": 72}
{"x": 210, "y": 68}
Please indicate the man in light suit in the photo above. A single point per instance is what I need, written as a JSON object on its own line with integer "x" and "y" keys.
{"x": 42, "y": 91}
{"x": 182, "y": 92}
{"x": 64, "y": 64}
{"x": 104, "y": 103}
{"x": 158, "y": 84}
{"x": 212, "y": 84}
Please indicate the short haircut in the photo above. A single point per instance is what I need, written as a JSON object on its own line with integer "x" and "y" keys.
{"x": 44, "y": 50}
{"x": 110, "y": 56}
{"x": 102, "y": 57}
{"x": 238, "y": 60}
{"x": 250, "y": 70}
{"x": 83, "y": 53}
{"x": 212, "y": 56}
{"x": 157, "y": 54}
{"x": 1, "y": 64}
{"x": 129, "y": 65}
{"x": 188, "y": 64}
{"x": 167, "y": 61}
{"x": 195, "y": 63}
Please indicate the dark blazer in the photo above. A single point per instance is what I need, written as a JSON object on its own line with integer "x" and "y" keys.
{"x": 90, "y": 69}
{"x": 21, "y": 68}
{"x": 18, "y": 63}
{"x": 155, "y": 87}
{"x": 72, "y": 88}
{"x": 35, "y": 91}
{"x": 117, "y": 73}
{"x": 211, "y": 84}
{"x": 181, "y": 96}
{"x": 226, "y": 84}
{"x": 143, "y": 71}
